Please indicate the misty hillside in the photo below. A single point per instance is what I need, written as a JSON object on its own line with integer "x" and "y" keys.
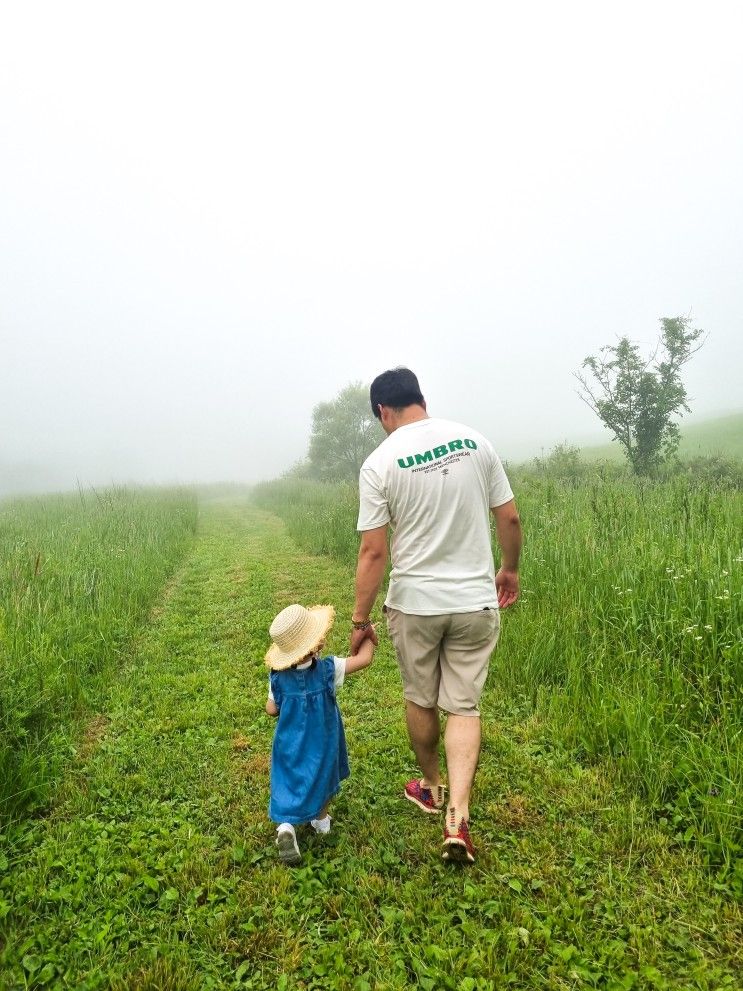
{"x": 27, "y": 477}
{"x": 722, "y": 435}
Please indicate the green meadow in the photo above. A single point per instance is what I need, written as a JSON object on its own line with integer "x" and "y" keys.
{"x": 78, "y": 575}
{"x": 136, "y": 852}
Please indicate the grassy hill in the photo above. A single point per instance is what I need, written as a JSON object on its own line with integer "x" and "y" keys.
{"x": 721, "y": 435}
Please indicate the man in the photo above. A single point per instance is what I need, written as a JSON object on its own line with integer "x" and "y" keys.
{"x": 435, "y": 483}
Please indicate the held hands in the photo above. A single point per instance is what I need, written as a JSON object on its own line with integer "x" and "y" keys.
{"x": 507, "y": 587}
{"x": 359, "y": 636}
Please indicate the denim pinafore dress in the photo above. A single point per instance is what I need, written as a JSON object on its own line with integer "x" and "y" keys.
{"x": 308, "y": 758}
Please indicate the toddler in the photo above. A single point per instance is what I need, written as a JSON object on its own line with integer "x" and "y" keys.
{"x": 308, "y": 757}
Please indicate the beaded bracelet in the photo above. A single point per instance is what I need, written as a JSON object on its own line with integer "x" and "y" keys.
{"x": 363, "y": 625}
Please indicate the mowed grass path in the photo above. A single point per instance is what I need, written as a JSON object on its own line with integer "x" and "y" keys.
{"x": 156, "y": 869}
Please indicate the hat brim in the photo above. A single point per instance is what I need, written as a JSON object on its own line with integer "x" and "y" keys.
{"x": 322, "y": 618}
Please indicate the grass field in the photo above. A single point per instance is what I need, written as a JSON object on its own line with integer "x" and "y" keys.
{"x": 78, "y": 575}
{"x": 606, "y": 847}
{"x": 155, "y": 867}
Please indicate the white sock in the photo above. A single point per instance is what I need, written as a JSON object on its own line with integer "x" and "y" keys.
{"x": 321, "y": 825}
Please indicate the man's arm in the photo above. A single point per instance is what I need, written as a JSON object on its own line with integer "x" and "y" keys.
{"x": 508, "y": 532}
{"x": 369, "y": 574}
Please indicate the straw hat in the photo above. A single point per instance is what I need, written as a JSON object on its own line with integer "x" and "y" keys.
{"x": 296, "y": 632}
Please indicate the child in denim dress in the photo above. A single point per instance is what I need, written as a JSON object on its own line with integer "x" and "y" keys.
{"x": 308, "y": 758}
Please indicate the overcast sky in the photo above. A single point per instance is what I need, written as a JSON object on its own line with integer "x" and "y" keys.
{"x": 214, "y": 216}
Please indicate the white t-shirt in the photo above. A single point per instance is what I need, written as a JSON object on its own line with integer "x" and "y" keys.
{"x": 340, "y": 673}
{"x": 435, "y": 481}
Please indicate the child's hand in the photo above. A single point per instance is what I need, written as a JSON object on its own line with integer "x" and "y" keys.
{"x": 271, "y": 708}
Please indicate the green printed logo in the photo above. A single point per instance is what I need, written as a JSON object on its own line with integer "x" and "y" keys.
{"x": 437, "y": 452}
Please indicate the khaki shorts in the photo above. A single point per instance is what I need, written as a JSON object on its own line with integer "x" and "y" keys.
{"x": 444, "y": 660}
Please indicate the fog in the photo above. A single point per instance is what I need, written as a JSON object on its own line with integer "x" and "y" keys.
{"x": 213, "y": 217}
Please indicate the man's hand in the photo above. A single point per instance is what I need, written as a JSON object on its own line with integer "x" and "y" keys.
{"x": 507, "y": 587}
{"x": 358, "y": 637}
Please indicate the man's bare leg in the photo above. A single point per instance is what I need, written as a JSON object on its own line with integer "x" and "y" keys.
{"x": 462, "y": 741}
{"x": 424, "y": 731}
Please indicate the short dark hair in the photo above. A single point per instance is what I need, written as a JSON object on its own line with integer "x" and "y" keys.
{"x": 397, "y": 388}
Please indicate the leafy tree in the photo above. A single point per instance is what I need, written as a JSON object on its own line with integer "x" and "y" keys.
{"x": 636, "y": 399}
{"x": 344, "y": 432}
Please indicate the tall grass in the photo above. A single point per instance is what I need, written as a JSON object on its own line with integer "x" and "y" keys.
{"x": 628, "y": 638}
{"x": 77, "y": 576}
{"x": 321, "y": 517}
